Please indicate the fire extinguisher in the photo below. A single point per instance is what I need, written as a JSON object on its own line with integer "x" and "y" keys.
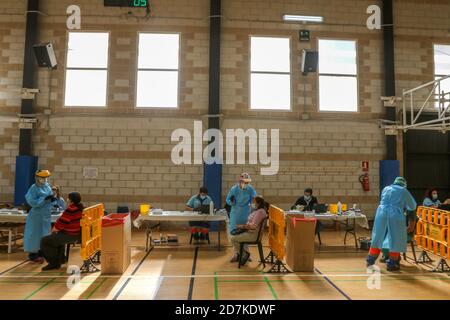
{"x": 364, "y": 180}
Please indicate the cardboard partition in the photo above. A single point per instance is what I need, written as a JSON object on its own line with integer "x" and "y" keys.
{"x": 116, "y": 243}
{"x": 300, "y": 242}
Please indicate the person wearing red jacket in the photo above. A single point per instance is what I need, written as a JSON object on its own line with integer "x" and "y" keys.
{"x": 66, "y": 230}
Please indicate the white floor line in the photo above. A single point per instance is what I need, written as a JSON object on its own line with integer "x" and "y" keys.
{"x": 430, "y": 275}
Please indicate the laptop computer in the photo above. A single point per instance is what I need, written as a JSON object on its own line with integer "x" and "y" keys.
{"x": 320, "y": 208}
{"x": 445, "y": 207}
{"x": 203, "y": 209}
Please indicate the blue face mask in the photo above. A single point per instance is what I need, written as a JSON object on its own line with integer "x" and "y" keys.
{"x": 203, "y": 197}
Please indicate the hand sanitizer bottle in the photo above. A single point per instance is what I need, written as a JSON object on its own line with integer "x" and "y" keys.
{"x": 339, "y": 207}
{"x": 211, "y": 208}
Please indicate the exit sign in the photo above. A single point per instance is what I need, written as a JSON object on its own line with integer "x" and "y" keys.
{"x": 126, "y": 3}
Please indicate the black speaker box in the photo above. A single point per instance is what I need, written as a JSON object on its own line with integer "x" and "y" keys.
{"x": 45, "y": 56}
{"x": 310, "y": 59}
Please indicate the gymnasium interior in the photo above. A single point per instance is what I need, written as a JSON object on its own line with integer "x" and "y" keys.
{"x": 134, "y": 111}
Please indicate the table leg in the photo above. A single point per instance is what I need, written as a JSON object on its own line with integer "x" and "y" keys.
{"x": 354, "y": 233}
{"x": 346, "y": 231}
{"x": 9, "y": 240}
{"x": 218, "y": 230}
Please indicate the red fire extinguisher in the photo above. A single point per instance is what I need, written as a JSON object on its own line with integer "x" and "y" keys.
{"x": 364, "y": 180}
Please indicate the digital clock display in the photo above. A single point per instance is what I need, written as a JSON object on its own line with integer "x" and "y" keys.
{"x": 126, "y": 3}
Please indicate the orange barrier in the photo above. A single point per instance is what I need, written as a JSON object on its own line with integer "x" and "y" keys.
{"x": 277, "y": 225}
{"x": 432, "y": 232}
{"x": 91, "y": 236}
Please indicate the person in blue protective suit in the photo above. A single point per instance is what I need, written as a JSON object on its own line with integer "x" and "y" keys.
{"x": 38, "y": 223}
{"x": 390, "y": 223}
{"x": 240, "y": 198}
{"x": 59, "y": 205}
{"x": 411, "y": 219}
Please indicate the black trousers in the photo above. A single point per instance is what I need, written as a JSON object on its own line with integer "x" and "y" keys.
{"x": 52, "y": 246}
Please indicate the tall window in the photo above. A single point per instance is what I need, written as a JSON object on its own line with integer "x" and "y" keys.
{"x": 270, "y": 70}
{"x": 338, "y": 78}
{"x": 86, "y": 69}
{"x": 442, "y": 67}
{"x": 158, "y": 66}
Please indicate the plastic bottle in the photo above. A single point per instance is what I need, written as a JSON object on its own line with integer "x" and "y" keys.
{"x": 211, "y": 208}
{"x": 339, "y": 207}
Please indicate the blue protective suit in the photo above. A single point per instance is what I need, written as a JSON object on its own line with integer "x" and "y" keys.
{"x": 38, "y": 223}
{"x": 390, "y": 218}
{"x": 241, "y": 206}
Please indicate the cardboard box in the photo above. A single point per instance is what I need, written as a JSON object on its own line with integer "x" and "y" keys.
{"x": 116, "y": 243}
{"x": 300, "y": 242}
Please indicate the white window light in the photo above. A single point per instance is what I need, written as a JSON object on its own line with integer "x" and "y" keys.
{"x": 297, "y": 18}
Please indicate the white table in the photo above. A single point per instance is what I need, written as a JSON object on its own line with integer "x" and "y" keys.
{"x": 177, "y": 216}
{"x": 11, "y": 219}
{"x": 343, "y": 219}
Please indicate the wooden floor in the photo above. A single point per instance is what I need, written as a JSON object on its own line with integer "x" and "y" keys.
{"x": 202, "y": 272}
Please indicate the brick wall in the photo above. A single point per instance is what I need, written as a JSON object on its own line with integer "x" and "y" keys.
{"x": 131, "y": 148}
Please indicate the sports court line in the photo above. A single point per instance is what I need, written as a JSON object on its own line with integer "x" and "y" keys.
{"x": 12, "y": 268}
{"x": 332, "y": 284}
{"x": 286, "y": 276}
{"x": 132, "y": 274}
{"x": 272, "y": 290}
{"x": 194, "y": 266}
{"x": 216, "y": 287}
{"x": 95, "y": 289}
{"x": 40, "y": 288}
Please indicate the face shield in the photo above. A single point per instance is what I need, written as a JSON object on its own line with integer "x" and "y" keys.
{"x": 41, "y": 181}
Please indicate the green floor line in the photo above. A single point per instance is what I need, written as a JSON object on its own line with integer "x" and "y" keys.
{"x": 43, "y": 281}
{"x": 95, "y": 289}
{"x": 34, "y": 272}
{"x": 40, "y": 288}
{"x": 334, "y": 280}
{"x": 216, "y": 287}
{"x": 272, "y": 290}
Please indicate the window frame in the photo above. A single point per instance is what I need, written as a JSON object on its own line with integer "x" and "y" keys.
{"x": 107, "y": 69}
{"x": 291, "y": 93}
{"x": 435, "y": 76}
{"x": 339, "y": 75}
{"x": 137, "y": 69}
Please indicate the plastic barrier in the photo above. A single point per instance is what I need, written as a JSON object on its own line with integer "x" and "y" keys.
{"x": 432, "y": 235}
{"x": 91, "y": 237}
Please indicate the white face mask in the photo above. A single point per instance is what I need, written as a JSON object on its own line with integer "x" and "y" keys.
{"x": 307, "y": 198}
{"x": 434, "y": 196}
{"x": 253, "y": 206}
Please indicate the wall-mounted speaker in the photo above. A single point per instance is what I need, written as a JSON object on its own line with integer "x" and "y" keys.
{"x": 310, "y": 59}
{"x": 45, "y": 56}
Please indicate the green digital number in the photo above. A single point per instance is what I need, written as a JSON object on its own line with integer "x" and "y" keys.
{"x": 140, "y": 3}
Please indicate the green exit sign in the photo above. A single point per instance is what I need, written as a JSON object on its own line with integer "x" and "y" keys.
{"x": 126, "y": 3}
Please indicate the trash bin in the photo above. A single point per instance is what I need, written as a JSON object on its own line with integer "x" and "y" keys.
{"x": 300, "y": 242}
{"x": 116, "y": 243}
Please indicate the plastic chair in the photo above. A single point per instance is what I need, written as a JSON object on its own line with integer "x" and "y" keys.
{"x": 257, "y": 242}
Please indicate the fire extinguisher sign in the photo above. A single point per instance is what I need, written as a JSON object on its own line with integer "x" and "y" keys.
{"x": 365, "y": 166}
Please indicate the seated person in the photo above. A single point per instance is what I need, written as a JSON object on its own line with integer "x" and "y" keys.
{"x": 199, "y": 228}
{"x": 432, "y": 199}
{"x": 59, "y": 205}
{"x": 307, "y": 201}
{"x": 249, "y": 231}
{"x": 66, "y": 230}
